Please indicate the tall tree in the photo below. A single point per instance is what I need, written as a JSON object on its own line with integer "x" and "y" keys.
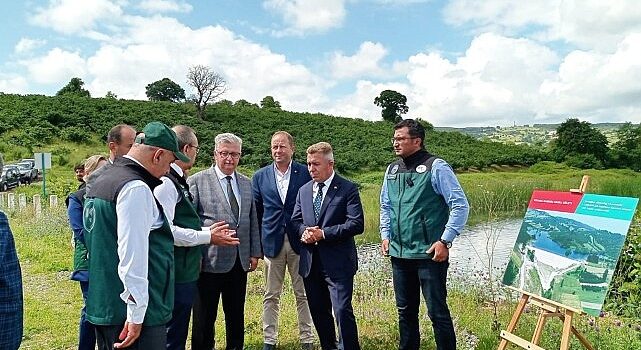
{"x": 165, "y": 90}
{"x": 626, "y": 150}
{"x": 393, "y": 103}
{"x": 74, "y": 88}
{"x": 576, "y": 137}
{"x": 269, "y": 102}
{"x": 208, "y": 84}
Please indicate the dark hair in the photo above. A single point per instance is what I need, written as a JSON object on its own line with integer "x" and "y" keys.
{"x": 414, "y": 128}
{"x": 115, "y": 134}
{"x": 79, "y": 166}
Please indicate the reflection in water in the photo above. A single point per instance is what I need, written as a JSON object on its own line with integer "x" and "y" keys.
{"x": 470, "y": 254}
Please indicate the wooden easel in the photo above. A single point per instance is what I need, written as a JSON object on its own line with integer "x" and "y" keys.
{"x": 548, "y": 308}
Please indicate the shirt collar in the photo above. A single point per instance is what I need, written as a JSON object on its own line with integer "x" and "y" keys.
{"x": 222, "y": 176}
{"x": 277, "y": 172}
{"x": 326, "y": 182}
{"x": 177, "y": 169}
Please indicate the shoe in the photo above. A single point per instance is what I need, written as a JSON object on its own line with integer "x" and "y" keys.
{"x": 269, "y": 346}
{"x": 307, "y": 346}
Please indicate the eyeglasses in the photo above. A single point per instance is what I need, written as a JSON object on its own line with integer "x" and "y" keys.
{"x": 224, "y": 154}
{"x": 401, "y": 139}
{"x": 196, "y": 147}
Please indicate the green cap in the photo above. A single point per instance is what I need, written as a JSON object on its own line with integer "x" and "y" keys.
{"x": 160, "y": 135}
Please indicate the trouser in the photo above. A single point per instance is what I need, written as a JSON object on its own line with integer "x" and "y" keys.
{"x": 326, "y": 294}
{"x": 274, "y": 278}
{"x": 232, "y": 286}
{"x": 410, "y": 276}
{"x": 178, "y": 326}
{"x": 86, "y": 331}
{"x": 151, "y": 338}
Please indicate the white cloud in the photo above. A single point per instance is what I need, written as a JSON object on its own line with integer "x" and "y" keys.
{"x": 586, "y": 23}
{"x": 76, "y": 16}
{"x": 57, "y": 66}
{"x": 603, "y": 87}
{"x": 25, "y": 45}
{"x": 13, "y": 85}
{"x": 302, "y": 16}
{"x": 155, "y": 6}
{"x": 366, "y": 61}
{"x": 153, "y": 48}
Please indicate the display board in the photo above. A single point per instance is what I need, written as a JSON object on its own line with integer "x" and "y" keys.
{"x": 568, "y": 247}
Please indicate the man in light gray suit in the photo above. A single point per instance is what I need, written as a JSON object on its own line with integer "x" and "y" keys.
{"x": 222, "y": 194}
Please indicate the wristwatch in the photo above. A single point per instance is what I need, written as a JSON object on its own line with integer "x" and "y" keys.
{"x": 447, "y": 244}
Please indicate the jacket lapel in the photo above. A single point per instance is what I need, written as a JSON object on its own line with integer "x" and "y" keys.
{"x": 329, "y": 196}
{"x": 219, "y": 193}
{"x": 294, "y": 179}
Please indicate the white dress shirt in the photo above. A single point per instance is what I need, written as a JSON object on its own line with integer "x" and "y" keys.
{"x": 222, "y": 179}
{"x": 325, "y": 188}
{"x": 137, "y": 214}
{"x": 168, "y": 196}
{"x": 282, "y": 180}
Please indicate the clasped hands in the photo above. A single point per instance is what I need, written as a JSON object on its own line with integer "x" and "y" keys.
{"x": 312, "y": 235}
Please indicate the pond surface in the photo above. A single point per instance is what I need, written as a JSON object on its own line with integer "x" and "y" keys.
{"x": 470, "y": 253}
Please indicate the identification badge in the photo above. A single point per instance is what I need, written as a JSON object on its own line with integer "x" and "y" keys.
{"x": 421, "y": 169}
{"x": 394, "y": 169}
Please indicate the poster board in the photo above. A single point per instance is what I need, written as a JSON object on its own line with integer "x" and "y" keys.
{"x": 568, "y": 247}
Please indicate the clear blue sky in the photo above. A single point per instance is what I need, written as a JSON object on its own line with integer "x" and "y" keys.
{"x": 459, "y": 62}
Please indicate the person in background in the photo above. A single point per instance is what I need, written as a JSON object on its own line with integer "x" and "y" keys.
{"x": 79, "y": 170}
{"x": 11, "y": 307}
{"x": 119, "y": 141}
{"x": 75, "y": 202}
{"x": 420, "y": 190}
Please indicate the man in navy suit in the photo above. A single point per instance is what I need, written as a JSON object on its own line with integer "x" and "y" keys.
{"x": 275, "y": 187}
{"x": 327, "y": 216}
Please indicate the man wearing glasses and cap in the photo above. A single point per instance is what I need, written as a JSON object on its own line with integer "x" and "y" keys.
{"x": 131, "y": 247}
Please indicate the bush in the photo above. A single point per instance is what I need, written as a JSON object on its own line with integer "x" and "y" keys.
{"x": 76, "y": 134}
{"x": 583, "y": 161}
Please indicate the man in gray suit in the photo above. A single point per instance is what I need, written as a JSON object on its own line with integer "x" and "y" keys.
{"x": 222, "y": 194}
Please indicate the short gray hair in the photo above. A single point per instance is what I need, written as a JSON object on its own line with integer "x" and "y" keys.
{"x": 185, "y": 135}
{"x": 323, "y": 148}
{"x": 227, "y": 137}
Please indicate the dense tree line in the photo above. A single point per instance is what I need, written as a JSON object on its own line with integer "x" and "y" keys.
{"x": 33, "y": 121}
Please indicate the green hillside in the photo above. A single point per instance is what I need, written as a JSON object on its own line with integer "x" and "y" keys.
{"x": 33, "y": 122}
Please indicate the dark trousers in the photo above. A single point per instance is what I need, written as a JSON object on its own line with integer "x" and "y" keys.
{"x": 178, "y": 326}
{"x": 410, "y": 277}
{"x": 151, "y": 338}
{"x": 86, "y": 331}
{"x": 325, "y": 294}
{"x": 232, "y": 286}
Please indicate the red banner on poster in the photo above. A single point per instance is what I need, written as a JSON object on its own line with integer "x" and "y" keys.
{"x": 557, "y": 201}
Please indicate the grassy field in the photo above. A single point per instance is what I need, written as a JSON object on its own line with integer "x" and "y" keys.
{"x": 52, "y": 302}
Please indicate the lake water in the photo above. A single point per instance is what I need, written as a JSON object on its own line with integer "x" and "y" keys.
{"x": 470, "y": 253}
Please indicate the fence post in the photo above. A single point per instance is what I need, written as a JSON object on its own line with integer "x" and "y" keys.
{"x": 37, "y": 205}
{"x": 22, "y": 201}
{"x": 11, "y": 201}
{"x": 53, "y": 200}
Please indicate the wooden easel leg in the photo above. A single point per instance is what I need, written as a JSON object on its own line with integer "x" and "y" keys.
{"x": 540, "y": 323}
{"x": 515, "y": 318}
{"x": 567, "y": 327}
{"x": 586, "y": 344}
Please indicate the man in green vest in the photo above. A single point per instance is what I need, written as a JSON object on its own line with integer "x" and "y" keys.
{"x": 423, "y": 209}
{"x": 180, "y": 211}
{"x": 131, "y": 247}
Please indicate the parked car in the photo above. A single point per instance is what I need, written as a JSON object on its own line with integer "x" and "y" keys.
{"x": 32, "y": 162}
{"x": 10, "y": 178}
{"x": 28, "y": 174}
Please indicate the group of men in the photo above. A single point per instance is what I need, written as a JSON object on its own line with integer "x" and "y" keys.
{"x": 162, "y": 243}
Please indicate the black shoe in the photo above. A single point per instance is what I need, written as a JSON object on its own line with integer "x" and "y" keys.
{"x": 269, "y": 346}
{"x": 307, "y": 346}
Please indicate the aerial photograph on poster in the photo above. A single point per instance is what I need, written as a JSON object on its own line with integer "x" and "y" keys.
{"x": 568, "y": 247}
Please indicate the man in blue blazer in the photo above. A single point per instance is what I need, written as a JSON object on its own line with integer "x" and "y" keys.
{"x": 275, "y": 187}
{"x": 327, "y": 216}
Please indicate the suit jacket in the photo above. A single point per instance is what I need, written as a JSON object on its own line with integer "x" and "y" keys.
{"x": 274, "y": 216}
{"x": 212, "y": 205}
{"x": 341, "y": 218}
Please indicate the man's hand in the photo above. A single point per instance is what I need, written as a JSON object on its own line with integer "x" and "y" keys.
{"x": 221, "y": 235}
{"x": 130, "y": 332}
{"x": 312, "y": 235}
{"x": 385, "y": 247}
{"x": 441, "y": 253}
{"x": 253, "y": 263}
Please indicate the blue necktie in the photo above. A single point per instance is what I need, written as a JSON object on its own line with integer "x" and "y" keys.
{"x": 318, "y": 200}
